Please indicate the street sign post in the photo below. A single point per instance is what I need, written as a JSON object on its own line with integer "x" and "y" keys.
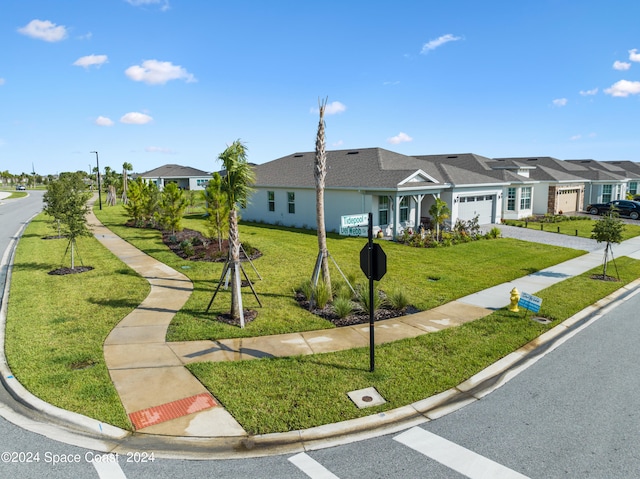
{"x": 373, "y": 263}
{"x": 354, "y": 225}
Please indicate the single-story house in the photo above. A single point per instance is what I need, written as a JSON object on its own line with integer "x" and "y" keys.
{"x": 185, "y": 177}
{"x": 392, "y": 186}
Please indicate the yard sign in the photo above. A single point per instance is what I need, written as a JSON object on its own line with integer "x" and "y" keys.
{"x": 530, "y": 302}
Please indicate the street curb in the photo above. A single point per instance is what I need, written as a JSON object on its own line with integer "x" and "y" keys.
{"x": 17, "y": 390}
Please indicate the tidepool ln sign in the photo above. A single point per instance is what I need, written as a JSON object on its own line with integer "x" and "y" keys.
{"x": 354, "y": 225}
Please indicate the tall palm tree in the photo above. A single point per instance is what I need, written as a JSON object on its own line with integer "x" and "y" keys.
{"x": 126, "y": 167}
{"x": 320, "y": 173}
{"x": 237, "y": 185}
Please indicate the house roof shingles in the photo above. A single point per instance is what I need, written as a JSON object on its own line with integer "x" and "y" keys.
{"x": 173, "y": 171}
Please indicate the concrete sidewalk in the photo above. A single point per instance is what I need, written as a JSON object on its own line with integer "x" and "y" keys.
{"x": 161, "y": 397}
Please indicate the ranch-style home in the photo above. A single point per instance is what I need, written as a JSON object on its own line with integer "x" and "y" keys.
{"x": 392, "y": 186}
{"x": 185, "y": 177}
{"x": 397, "y": 189}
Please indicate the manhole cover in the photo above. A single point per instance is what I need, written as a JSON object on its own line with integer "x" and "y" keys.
{"x": 540, "y": 320}
{"x": 367, "y": 398}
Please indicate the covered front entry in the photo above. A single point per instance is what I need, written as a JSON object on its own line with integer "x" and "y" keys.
{"x": 481, "y": 205}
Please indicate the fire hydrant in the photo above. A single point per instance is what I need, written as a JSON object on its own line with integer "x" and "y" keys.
{"x": 515, "y": 297}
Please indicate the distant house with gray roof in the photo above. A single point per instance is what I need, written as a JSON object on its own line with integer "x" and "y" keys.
{"x": 185, "y": 177}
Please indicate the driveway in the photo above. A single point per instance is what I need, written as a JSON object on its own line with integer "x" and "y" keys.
{"x": 546, "y": 237}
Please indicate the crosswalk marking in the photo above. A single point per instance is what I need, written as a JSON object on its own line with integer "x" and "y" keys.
{"x": 454, "y": 456}
{"x": 310, "y": 467}
{"x": 108, "y": 470}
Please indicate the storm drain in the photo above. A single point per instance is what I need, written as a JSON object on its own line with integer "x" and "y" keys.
{"x": 367, "y": 397}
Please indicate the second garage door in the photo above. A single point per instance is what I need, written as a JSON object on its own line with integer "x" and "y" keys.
{"x": 481, "y": 205}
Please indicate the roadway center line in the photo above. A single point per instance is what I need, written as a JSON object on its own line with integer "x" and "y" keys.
{"x": 311, "y": 468}
{"x": 454, "y": 456}
{"x": 108, "y": 470}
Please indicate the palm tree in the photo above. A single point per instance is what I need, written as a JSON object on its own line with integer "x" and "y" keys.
{"x": 126, "y": 167}
{"x": 439, "y": 212}
{"x": 320, "y": 173}
{"x": 237, "y": 185}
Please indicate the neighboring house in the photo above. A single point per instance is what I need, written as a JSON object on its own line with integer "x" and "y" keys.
{"x": 185, "y": 177}
{"x": 616, "y": 180}
{"x": 479, "y": 189}
{"x": 558, "y": 187}
{"x": 393, "y": 187}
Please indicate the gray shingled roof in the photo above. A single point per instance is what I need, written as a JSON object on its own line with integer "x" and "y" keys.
{"x": 469, "y": 169}
{"x": 626, "y": 169}
{"x": 174, "y": 171}
{"x": 360, "y": 168}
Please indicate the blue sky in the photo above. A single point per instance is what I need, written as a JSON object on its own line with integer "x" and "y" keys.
{"x": 152, "y": 82}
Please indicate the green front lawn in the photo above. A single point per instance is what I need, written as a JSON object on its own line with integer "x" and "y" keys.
{"x": 581, "y": 228}
{"x": 56, "y": 325}
{"x": 429, "y": 277}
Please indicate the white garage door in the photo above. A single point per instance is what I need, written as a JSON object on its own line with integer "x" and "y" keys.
{"x": 481, "y": 205}
{"x": 567, "y": 200}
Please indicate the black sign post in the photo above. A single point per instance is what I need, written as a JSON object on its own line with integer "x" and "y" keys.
{"x": 373, "y": 263}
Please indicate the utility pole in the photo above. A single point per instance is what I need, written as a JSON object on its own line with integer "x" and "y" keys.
{"x": 98, "y": 175}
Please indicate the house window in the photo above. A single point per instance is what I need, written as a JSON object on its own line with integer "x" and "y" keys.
{"x": 291, "y": 200}
{"x": 606, "y": 193}
{"x": 202, "y": 183}
{"x": 404, "y": 209}
{"x": 271, "y": 196}
{"x": 511, "y": 199}
{"x": 525, "y": 198}
{"x": 633, "y": 187}
{"x": 383, "y": 210}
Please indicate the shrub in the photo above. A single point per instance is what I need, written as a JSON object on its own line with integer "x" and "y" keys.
{"x": 364, "y": 299}
{"x": 187, "y": 248}
{"x": 322, "y": 294}
{"x": 398, "y": 299}
{"x": 342, "y": 307}
{"x": 306, "y": 289}
{"x": 493, "y": 233}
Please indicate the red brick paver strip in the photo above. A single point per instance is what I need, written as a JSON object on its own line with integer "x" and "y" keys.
{"x": 171, "y": 410}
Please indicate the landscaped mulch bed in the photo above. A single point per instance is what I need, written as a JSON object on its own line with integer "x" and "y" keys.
{"x": 77, "y": 269}
{"x": 204, "y": 249}
{"x": 357, "y": 316}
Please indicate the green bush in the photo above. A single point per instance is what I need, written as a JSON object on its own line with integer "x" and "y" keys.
{"x": 398, "y": 299}
{"x": 342, "y": 307}
{"x": 187, "y": 247}
{"x": 322, "y": 294}
{"x": 378, "y": 302}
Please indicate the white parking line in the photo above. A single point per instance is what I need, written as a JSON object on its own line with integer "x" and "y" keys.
{"x": 108, "y": 470}
{"x": 455, "y": 457}
{"x": 311, "y": 468}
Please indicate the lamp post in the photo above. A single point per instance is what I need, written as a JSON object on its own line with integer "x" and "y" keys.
{"x": 98, "y": 176}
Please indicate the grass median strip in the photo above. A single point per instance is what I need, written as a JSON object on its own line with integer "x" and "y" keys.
{"x": 581, "y": 228}
{"x": 276, "y": 395}
{"x": 56, "y": 325}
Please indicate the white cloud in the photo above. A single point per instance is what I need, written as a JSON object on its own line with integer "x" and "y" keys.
{"x": 158, "y": 149}
{"x": 334, "y": 108}
{"x": 634, "y": 56}
{"x": 44, "y": 30}
{"x": 399, "y": 138}
{"x": 338, "y": 143}
{"x": 560, "y": 102}
{"x": 575, "y": 137}
{"x": 135, "y": 118}
{"x": 164, "y": 4}
{"x": 433, "y": 44}
{"x": 589, "y": 92}
{"x": 103, "y": 121}
{"x": 2, "y": 81}
{"x": 624, "y": 88}
{"x": 617, "y": 65}
{"x": 89, "y": 60}
{"x": 154, "y": 72}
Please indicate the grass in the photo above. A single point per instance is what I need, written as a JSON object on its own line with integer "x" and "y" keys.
{"x": 16, "y": 194}
{"x": 428, "y": 276}
{"x": 581, "y": 228}
{"x": 308, "y": 391}
{"x": 56, "y": 325}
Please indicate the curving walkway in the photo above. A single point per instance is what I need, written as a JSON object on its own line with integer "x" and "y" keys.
{"x": 158, "y": 393}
